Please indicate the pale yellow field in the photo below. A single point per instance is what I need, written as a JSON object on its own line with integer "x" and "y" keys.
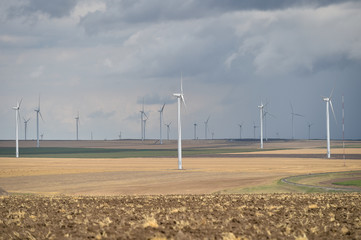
{"x": 159, "y": 175}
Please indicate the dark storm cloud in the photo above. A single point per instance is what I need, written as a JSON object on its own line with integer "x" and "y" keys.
{"x": 53, "y": 8}
{"x": 121, "y": 13}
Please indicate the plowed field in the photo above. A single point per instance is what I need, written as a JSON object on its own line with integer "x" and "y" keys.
{"x": 271, "y": 216}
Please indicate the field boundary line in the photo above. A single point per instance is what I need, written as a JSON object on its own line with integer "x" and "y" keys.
{"x": 288, "y": 181}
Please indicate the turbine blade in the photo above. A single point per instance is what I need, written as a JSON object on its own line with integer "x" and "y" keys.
{"x": 41, "y": 116}
{"x": 162, "y": 107}
{"x": 181, "y": 83}
{"x": 291, "y": 108}
{"x": 296, "y": 114}
{"x": 334, "y": 116}
{"x": 20, "y": 102}
{"x": 332, "y": 92}
{"x": 184, "y": 102}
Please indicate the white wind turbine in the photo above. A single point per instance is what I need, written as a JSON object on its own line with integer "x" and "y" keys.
{"x": 143, "y": 121}
{"x": 17, "y": 116}
{"x": 26, "y": 125}
{"x": 161, "y": 123}
{"x": 77, "y": 126}
{"x": 294, "y": 114}
{"x": 328, "y": 102}
{"x": 180, "y": 97}
{"x": 261, "y": 119}
{"x": 37, "y": 110}
{"x": 206, "y": 127}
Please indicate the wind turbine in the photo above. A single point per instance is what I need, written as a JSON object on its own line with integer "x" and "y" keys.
{"x": 120, "y": 135}
{"x": 168, "y": 129}
{"x": 240, "y": 130}
{"x": 17, "y": 116}
{"x": 160, "y": 124}
{"x": 26, "y": 125}
{"x": 329, "y": 102}
{"x": 309, "y": 130}
{"x": 77, "y": 126}
{"x": 195, "y": 131}
{"x": 254, "y": 130}
{"x": 206, "y": 127}
{"x": 142, "y": 121}
{"x": 261, "y": 119}
{"x": 294, "y": 114}
{"x": 180, "y": 97}
{"x": 37, "y": 110}
{"x": 144, "y": 124}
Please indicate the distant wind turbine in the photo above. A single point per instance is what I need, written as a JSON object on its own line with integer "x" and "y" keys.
{"x": 195, "y": 131}
{"x": 161, "y": 123}
{"x": 294, "y": 114}
{"x": 26, "y": 126}
{"x": 17, "y": 116}
{"x": 142, "y": 121}
{"x": 329, "y": 102}
{"x": 144, "y": 124}
{"x": 77, "y": 126}
{"x": 240, "y": 130}
{"x": 180, "y": 98}
{"x": 120, "y": 135}
{"x": 37, "y": 110}
{"x": 309, "y": 130}
{"x": 168, "y": 125}
{"x": 254, "y": 130}
{"x": 206, "y": 127}
{"x": 261, "y": 119}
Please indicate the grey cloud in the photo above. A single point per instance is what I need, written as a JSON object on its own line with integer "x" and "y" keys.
{"x": 153, "y": 99}
{"x": 53, "y": 8}
{"x": 101, "y": 114}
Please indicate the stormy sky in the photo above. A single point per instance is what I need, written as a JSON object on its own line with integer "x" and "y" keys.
{"x": 102, "y": 58}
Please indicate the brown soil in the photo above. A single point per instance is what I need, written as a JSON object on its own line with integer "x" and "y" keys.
{"x": 273, "y": 216}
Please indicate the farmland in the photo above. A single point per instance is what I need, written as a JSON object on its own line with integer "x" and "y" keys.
{"x": 133, "y": 190}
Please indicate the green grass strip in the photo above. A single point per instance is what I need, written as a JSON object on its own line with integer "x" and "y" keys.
{"x": 356, "y": 182}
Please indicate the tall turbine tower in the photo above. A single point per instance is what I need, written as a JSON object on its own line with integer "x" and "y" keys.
{"x": 206, "y": 128}
{"x": 17, "y": 116}
{"x": 180, "y": 97}
{"x": 37, "y": 110}
{"x": 328, "y": 102}
{"x": 26, "y": 126}
{"x": 161, "y": 123}
{"x": 294, "y": 114}
{"x": 261, "y": 119}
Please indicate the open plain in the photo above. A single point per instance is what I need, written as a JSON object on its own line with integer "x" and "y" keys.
{"x": 122, "y": 197}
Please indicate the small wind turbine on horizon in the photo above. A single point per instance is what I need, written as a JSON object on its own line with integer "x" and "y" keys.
{"x": 161, "y": 123}
{"x": 143, "y": 121}
{"x": 26, "y": 126}
{"x": 168, "y": 125}
{"x": 180, "y": 98}
{"x": 195, "y": 131}
{"x": 206, "y": 128}
{"x": 309, "y": 129}
{"x": 261, "y": 120}
{"x": 77, "y": 126}
{"x": 17, "y": 117}
{"x": 120, "y": 135}
{"x": 329, "y": 103}
{"x": 254, "y": 130}
{"x": 294, "y": 114}
{"x": 37, "y": 110}
{"x": 240, "y": 130}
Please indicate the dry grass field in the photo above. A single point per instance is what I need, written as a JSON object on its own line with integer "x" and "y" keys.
{"x": 201, "y": 175}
